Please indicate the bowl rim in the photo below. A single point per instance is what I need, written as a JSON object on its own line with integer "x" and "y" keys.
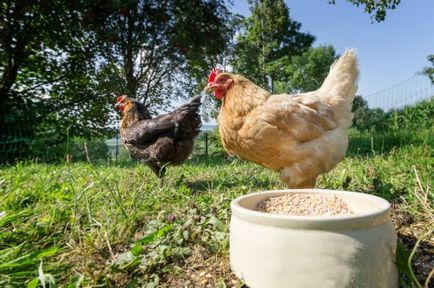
{"x": 344, "y": 221}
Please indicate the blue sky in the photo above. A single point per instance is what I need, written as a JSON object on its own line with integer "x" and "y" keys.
{"x": 389, "y": 52}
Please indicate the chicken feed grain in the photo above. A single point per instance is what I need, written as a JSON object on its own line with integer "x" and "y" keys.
{"x": 295, "y": 204}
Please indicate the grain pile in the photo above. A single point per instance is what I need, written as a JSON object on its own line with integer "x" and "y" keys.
{"x": 296, "y": 204}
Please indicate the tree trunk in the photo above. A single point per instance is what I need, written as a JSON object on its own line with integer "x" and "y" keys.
{"x": 15, "y": 53}
{"x": 10, "y": 70}
{"x": 129, "y": 62}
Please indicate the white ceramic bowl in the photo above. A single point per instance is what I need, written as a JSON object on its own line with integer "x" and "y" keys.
{"x": 273, "y": 251}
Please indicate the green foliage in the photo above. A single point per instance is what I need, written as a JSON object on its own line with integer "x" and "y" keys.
{"x": 366, "y": 118}
{"x": 378, "y": 8}
{"x": 403, "y": 262}
{"x": 79, "y": 107}
{"x": 69, "y": 59}
{"x": 62, "y": 63}
{"x": 97, "y": 149}
{"x": 16, "y": 128}
{"x": 420, "y": 115}
{"x": 429, "y": 71}
{"x": 215, "y": 146}
{"x": 267, "y": 43}
{"x": 117, "y": 224}
{"x": 370, "y": 142}
{"x": 306, "y": 72}
{"x": 47, "y": 56}
{"x": 156, "y": 49}
{"x": 32, "y": 37}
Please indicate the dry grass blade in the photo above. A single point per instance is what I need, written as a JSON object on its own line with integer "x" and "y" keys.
{"x": 423, "y": 199}
{"x": 76, "y": 217}
{"x": 413, "y": 251}
{"x": 430, "y": 275}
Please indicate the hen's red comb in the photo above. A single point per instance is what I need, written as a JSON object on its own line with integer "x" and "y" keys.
{"x": 119, "y": 99}
{"x": 213, "y": 74}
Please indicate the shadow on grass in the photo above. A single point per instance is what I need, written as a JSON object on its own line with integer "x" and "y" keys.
{"x": 200, "y": 186}
{"x": 244, "y": 178}
{"x": 378, "y": 187}
{"x": 422, "y": 261}
{"x": 212, "y": 160}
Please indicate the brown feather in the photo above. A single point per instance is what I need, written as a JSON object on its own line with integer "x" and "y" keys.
{"x": 300, "y": 136}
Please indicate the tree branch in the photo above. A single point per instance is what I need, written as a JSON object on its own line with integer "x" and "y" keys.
{"x": 44, "y": 83}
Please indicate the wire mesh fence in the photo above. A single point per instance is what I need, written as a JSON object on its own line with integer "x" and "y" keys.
{"x": 21, "y": 139}
{"x": 408, "y": 92}
{"x": 206, "y": 143}
{"x": 16, "y": 129}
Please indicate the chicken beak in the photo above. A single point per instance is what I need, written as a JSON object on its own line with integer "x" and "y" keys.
{"x": 120, "y": 106}
{"x": 209, "y": 88}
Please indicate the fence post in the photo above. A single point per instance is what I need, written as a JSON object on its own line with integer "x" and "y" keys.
{"x": 117, "y": 147}
{"x": 118, "y": 131}
{"x": 86, "y": 151}
{"x": 206, "y": 144}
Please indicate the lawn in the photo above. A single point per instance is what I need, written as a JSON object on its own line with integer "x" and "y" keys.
{"x": 82, "y": 225}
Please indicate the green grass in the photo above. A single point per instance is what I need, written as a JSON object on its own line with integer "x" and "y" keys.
{"x": 113, "y": 226}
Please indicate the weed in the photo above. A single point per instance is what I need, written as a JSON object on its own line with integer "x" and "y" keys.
{"x": 116, "y": 226}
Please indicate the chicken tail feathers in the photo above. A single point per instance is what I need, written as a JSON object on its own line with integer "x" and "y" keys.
{"x": 340, "y": 86}
{"x": 187, "y": 119}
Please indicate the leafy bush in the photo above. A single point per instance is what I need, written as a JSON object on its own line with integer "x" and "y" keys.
{"x": 420, "y": 115}
{"x": 369, "y": 142}
{"x": 52, "y": 149}
{"x": 97, "y": 149}
{"x": 214, "y": 143}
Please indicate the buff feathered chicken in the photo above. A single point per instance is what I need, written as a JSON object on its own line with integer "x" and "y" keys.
{"x": 300, "y": 136}
{"x": 160, "y": 141}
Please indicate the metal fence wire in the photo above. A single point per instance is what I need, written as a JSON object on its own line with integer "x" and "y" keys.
{"x": 20, "y": 138}
{"x": 16, "y": 130}
{"x": 408, "y": 92}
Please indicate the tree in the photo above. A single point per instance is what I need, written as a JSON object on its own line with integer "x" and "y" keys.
{"x": 366, "y": 118}
{"x": 269, "y": 40}
{"x": 429, "y": 71}
{"x": 307, "y": 72}
{"x": 146, "y": 47}
{"x": 42, "y": 46}
{"x": 376, "y": 7}
{"x": 45, "y": 54}
{"x": 155, "y": 49}
{"x": 62, "y": 62}
{"x": 39, "y": 39}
